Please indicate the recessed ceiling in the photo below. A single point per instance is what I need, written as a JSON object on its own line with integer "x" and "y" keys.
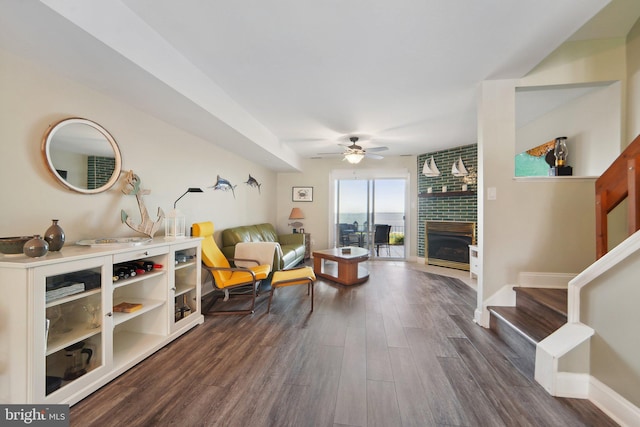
{"x": 282, "y": 79}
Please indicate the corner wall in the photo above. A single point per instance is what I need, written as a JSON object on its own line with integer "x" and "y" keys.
{"x": 544, "y": 225}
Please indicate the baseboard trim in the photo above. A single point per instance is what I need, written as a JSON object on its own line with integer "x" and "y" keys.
{"x": 544, "y": 280}
{"x": 585, "y": 386}
{"x": 613, "y": 404}
{"x": 505, "y": 297}
{"x": 572, "y": 385}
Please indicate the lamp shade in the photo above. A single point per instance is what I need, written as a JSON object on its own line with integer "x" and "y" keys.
{"x": 189, "y": 190}
{"x": 296, "y": 213}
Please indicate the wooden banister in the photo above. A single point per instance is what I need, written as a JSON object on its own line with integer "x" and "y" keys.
{"x": 619, "y": 181}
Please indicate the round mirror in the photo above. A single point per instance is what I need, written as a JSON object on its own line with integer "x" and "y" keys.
{"x": 82, "y": 155}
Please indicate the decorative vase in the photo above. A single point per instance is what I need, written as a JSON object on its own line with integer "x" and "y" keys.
{"x": 36, "y": 247}
{"x": 54, "y": 236}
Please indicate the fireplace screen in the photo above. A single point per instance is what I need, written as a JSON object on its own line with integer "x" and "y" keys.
{"x": 447, "y": 243}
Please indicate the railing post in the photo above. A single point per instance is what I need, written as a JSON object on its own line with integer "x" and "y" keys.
{"x": 633, "y": 202}
{"x": 601, "y": 223}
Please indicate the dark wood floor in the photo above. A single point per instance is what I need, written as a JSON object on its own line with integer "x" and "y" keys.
{"x": 399, "y": 350}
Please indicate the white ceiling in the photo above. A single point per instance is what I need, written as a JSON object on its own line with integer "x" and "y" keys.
{"x": 275, "y": 80}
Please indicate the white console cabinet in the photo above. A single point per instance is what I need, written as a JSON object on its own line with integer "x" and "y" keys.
{"x": 60, "y": 338}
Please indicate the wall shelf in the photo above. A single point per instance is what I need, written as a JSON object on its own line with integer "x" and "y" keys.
{"x": 448, "y": 194}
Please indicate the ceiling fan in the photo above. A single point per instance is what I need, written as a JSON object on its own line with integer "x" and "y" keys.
{"x": 354, "y": 153}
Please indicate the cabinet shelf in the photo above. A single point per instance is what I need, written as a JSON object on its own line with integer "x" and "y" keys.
{"x": 184, "y": 264}
{"x": 147, "y": 305}
{"x": 77, "y": 333}
{"x": 138, "y": 278}
{"x": 129, "y": 347}
{"x": 183, "y": 289}
{"x": 73, "y": 297}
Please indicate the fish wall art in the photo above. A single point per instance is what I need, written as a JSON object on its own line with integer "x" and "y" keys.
{"x": 252, "y": 182}
{"x": 224, "y": 185}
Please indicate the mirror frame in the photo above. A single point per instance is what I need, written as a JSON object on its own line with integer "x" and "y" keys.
{"x": 46, "y": 153}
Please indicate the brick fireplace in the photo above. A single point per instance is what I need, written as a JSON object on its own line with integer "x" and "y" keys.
{"x": 447, "y": 243}
{"x": 454, "y": 205}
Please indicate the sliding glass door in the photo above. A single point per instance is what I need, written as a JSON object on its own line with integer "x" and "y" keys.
{"x": 370, "y": 213}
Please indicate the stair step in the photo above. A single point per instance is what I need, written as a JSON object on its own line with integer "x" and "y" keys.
{"x": 532, "y": 328}
{"x": 537, "y": 314}
{"x": 555, "y": 300}
{"x": 507, "y": 323}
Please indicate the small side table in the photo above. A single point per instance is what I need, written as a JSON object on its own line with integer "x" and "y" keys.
{"x": 474, "y": 261}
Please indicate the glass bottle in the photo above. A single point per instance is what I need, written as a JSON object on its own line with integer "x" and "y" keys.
{"x": 561, "y": 152}
{"x": 54, "y": 236}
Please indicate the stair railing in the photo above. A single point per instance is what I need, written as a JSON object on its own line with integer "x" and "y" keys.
{"x": 620, "y": 181}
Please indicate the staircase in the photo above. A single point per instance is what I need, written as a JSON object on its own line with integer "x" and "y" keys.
{"x": 537, "y": 313}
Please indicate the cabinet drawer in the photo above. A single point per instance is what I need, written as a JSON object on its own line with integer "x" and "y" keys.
{"x": 138, "y": 254}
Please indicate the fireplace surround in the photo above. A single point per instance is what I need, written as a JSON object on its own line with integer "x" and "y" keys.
{"x": 447, "y": 243}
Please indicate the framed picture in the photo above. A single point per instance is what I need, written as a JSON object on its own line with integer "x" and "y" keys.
{"x": 302, "y": 194}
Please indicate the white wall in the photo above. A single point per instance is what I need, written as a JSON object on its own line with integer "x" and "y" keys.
{"x": 633, "y": 82}
{"x": 167, "y": 159}
{"x": 546, "y": 225}
{"x": 590, "y": 122}
{"x": 608, "y": 304}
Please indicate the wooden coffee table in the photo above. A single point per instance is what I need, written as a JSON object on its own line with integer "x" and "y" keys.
{"x": 346, "y": 269}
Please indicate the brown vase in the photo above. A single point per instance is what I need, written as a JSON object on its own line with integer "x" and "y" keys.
{"x": 36, "y": 247}
{"x": 54, "y": 236}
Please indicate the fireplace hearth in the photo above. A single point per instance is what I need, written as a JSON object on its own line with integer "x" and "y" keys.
{"x": 447, "y": 243}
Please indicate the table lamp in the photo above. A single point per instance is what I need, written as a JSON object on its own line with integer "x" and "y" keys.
{"x": 296, "y": 213}
{"x": 174, "y": 226}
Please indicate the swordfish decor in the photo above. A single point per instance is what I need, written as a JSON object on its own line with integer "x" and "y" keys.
{"x": 224, "y": 185}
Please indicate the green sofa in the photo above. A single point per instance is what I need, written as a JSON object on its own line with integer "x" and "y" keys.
{"x": 292, "y": 244}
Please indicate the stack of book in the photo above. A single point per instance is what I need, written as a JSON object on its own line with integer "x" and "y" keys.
{"x": 63, "y": 289}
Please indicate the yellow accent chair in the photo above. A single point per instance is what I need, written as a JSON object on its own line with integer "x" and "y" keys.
{"x": 292, "y": 277}
{"x": 244, "y": 280}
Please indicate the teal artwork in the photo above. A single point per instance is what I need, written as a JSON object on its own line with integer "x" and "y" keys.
{"x": 528, "y": 165}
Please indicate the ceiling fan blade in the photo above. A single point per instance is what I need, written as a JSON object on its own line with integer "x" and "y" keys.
{"x": 377, "y": 149}
{"x": 373, "y": 156}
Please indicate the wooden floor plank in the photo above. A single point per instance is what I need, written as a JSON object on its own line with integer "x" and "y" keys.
{"x": 438, "y": 394}
{"x": 378, "y": 361}
{"x": 400, "y": 349}
{"x": 351, "y": 406}
{"x": 512, "y": 411}
{"x": 477, "y": 409}
{"x": 382, "y": 405}
{"x": 495, "y": 352}
{"x": 409, "y": 390}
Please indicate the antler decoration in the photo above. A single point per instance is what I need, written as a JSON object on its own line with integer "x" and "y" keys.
{"x": 147, "y": 226}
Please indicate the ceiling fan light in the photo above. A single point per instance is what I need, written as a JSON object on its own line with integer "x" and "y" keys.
{"x": 354, "y": 158}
